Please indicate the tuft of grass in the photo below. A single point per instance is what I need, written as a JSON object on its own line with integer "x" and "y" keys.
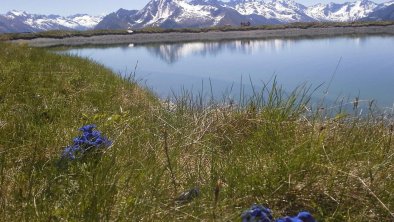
{"x": 274, "y": 148}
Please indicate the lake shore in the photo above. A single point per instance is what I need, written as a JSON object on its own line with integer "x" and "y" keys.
{"x": 173, "y": 37}
{"x": 276, "y": 150}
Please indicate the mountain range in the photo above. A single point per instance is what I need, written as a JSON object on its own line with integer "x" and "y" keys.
{"x": 20, "y": 21}
{"x": 202, "y": 13}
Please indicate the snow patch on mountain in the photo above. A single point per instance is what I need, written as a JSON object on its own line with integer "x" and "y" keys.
{"x": 86, "y": 20}
{"x": 350, "y": 11}
{"x": 388, "y": 3}
{"x": 16, "y": 13}
{"x": 283, "y": 10}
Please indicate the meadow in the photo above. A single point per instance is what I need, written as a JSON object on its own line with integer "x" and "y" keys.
{"x": 274, "y": 148}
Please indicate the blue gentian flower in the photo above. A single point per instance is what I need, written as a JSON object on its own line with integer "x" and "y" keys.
{"x": 289, "y": 219}
{"x": 306, "y": 216}
{"x": 88, "y": 128}
{"x": 89, "y": 139}
{"x": 303, "y": 216}
{"x": 258, "y": 213}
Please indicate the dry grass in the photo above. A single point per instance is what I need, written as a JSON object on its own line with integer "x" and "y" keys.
{"x": 271, "y": 151}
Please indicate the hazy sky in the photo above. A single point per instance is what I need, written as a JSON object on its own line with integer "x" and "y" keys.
{"x": 96, "y": 7}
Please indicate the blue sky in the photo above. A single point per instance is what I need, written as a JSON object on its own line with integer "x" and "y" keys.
{"x": 96, "y": 7}
{"x": 69, "y": 7}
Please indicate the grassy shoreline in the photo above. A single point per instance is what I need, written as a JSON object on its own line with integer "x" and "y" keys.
{"x": 57, "y": 34}
{"x": 271, "y": 151}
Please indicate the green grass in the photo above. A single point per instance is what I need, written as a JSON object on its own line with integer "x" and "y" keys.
{"x": 300, "y": 25}
{"x": 272, "y": 150}
{"x": 59, "y": 34}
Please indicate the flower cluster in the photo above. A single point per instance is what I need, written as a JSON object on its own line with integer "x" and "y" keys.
{"x": 90, "y": 139}
{"x": 258, "y": 213}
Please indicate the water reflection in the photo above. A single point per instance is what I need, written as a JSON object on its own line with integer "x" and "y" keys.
{"x": 366, "y": 67}
{"x": 172, "y": 53}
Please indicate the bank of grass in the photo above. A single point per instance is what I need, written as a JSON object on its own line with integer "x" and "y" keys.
{"x": 271, "y": 151}
{"x": 59, "y": 34}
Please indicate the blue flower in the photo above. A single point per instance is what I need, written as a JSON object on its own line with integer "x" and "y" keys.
{"x": 306, "y": 216}
{"x": 288, "y": 219}
{"x": 257, "y": 213}
{"x": 87, "y": 128}
{"x": 89, "y": 139}
{"x": 301, "y": 217}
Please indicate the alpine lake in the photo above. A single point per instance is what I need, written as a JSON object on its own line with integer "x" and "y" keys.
{"x": 338, "y": 69}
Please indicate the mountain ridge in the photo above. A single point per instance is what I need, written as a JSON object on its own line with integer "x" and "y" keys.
{"x": 202, "y": 13}
{"x": 21, "y": 21}
{"x": 206, "y": 13}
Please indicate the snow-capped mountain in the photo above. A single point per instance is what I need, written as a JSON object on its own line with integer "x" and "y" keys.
{"x": 205, "y": 13}
{"x": 282, "y": 10}
{"x": 20, "y": 21}
{"x": 349, "y": 11}
{"x": 182, "y": 13}
{"x": 202, "y": 13}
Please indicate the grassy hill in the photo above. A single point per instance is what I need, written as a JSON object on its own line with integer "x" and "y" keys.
{"x": 273, "y": 150}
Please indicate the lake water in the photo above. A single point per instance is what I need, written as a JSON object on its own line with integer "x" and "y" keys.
{"x": 348, "y": 67}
